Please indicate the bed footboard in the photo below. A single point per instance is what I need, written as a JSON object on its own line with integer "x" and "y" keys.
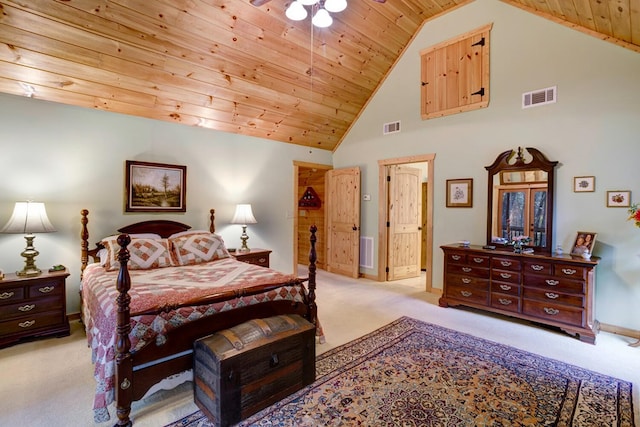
{"x": 128, "y": 388}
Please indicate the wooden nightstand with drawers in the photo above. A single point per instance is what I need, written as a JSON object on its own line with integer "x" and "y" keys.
{"x": 33, "y": 306}
{"x": 254, "y": 256}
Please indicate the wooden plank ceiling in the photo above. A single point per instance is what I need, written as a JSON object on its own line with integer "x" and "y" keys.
{"x": 233, "y": 67}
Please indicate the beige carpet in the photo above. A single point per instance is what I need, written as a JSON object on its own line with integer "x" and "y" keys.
{"x": 49, "y": 382}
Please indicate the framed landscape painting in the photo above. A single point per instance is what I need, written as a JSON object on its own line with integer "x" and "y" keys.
{"x": 155, "y": 187}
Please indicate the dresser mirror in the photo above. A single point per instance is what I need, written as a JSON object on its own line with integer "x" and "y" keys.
{"x": 520, "y": 199}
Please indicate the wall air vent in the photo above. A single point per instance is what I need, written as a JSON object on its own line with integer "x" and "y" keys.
{"x": 539, "y": 97}
{"x": 366, "y": 252}
{"x": 392, "y": 127}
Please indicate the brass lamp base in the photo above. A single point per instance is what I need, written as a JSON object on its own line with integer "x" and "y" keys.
{"x": 244, "y": 237}
{"x": 29, "y": 254}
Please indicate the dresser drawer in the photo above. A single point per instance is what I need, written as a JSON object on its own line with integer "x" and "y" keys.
{"x": 468, "y": 270}
{"x": 33, "y": 322}
{"x": 29, "y": 307}
{"x": 553, "y": 312}
{"x": 505, "y": 302}
{"x": 555, "y": 297}
{"x": 505, "y": 276}
{"x": 570, "y": 271}
{"x": 472, "y": 295}
{"x": 506, "y": 264}
{"x": 505, "y": 288}
{"x": 538, "y": 267}
{"x": 9, "y": 295}
{"x": 456, "y": 258}
{"x": 45, "y": 288}
{"x": 467, "y": 281}
{"x": 556, "y": 284}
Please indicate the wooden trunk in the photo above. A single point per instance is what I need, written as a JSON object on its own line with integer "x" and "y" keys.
{"x": 241, "y": 370}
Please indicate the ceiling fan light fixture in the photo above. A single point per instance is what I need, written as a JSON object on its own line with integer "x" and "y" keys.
{"x": 322, "y": 19}
{"x": 307, "y": 2}
{"x": 335, "y": 6}
{"x": 296, "y": 11}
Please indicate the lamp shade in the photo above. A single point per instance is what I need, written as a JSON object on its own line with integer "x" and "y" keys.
{"x": 28, "y": 218}
{"x": 243, "y": 215}
{"x": 322, "y": 19}
{"x": 296, "y": 11}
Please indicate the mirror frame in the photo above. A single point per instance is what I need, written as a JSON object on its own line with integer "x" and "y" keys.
{"x": 538, "y": 161}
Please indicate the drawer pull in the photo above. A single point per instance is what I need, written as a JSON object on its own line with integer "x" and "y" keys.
{"x": 505, "y": 275}
{"x": 551, "y": 311}
{"x": 466, "y": 293}
{"x": 551, "y": 282}
{"x": 466, "y": 280}
{"x": 467, "y": 269}
{"x": 6, "y": 295}
{"x": 506, "y": 263}
{"x": 504, "y": 301}
{"x": 46, "y": 289}
{"x": 262, "y": 260}
{"x": 551, "y": 295}
{"x": 456, "y": 257}
{"x": 27, "y": 307}
{"x": 27, "y": 323}
{"x": 478, "y": 260}
{"x": 505, "y": 287}
{"x": 569, "y": 271}
{"x": 537, "y": 267}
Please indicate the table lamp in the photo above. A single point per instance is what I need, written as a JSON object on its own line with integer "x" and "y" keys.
{"x": 244, "y": 216}
{"x": 28, "y": 218}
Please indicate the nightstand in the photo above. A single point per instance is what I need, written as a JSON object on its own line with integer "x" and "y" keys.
{"x": 33, "y": 306}
{"x": 254, "y": 256}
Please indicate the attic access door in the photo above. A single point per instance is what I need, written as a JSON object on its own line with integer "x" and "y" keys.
{"x": 405, "y": 222}
{"x": 343, "y": 221}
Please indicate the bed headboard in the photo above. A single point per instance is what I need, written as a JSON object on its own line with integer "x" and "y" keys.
{"x": 163, "y": 227}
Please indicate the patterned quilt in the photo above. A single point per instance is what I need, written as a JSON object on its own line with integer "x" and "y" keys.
{"x": 163, "y": 287}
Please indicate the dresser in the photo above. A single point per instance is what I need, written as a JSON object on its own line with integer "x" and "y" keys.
{"x": 254, "y": 256}
{"x": 556, "y": 290}
{"x": 32, "y": 306}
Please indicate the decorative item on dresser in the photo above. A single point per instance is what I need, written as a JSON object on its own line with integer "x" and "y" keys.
{"x": 171, "y": 306}
{"x": 253, "y": 256}
{"x": 554, "y": 290}
{"x": 33, "y": 306}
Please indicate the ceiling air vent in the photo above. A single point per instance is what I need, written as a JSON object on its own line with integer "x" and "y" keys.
{"x": 539, "y": 97}
{"x": 392, "y": 127}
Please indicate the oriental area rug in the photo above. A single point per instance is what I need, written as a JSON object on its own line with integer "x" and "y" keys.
{"x": 411, "y": 373}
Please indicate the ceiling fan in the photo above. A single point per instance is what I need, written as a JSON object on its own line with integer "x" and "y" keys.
{"x": 259, "y": 3}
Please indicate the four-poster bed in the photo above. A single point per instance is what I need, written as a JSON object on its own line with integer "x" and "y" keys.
{"x": 147, "y": 297}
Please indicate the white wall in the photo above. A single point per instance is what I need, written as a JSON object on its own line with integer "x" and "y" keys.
{"x": 73, "y": 158}
{"x": 593, "y": 129}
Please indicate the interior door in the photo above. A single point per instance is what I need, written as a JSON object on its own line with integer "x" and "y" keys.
{"x": 405, "y": 222}
{"x": 343, "y": 221}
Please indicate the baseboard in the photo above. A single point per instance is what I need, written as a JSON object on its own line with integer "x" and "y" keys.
{"x": 619, "y": 330}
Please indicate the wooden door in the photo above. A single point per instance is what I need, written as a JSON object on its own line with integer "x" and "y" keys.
{"x": 405, "y": 222}
{"x": 343, "y": 221}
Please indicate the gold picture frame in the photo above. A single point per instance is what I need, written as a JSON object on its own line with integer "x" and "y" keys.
{"x": 584, "y": 184}
{"x": 155, "y": 187}
{"x": 619, "y": 199}
{"x": 460, "y": 193}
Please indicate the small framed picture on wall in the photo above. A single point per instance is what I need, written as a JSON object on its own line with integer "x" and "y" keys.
{"x": 618, "y": 199}
{"x": 460, "y": 193}
{"x": 584, "y": 184}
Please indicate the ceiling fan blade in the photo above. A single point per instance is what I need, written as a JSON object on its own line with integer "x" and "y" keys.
{"x": 258, "y": 3}
{"x": 380, "y": 1}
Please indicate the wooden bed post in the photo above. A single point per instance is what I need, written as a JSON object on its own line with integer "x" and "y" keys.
{"x": 124, "y": 364}
{"x": 212, "y": 221}
{"x": 84, "y": 241}
{"x": 312, "y": 308}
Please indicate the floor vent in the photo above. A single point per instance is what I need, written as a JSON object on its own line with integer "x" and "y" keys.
{"x": 366, "y": 252}
{"x": 539, "y": 97}
{"x": 393, "y": 127}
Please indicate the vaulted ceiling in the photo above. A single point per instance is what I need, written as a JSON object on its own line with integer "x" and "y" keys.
{"x": 234, "y": 67}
